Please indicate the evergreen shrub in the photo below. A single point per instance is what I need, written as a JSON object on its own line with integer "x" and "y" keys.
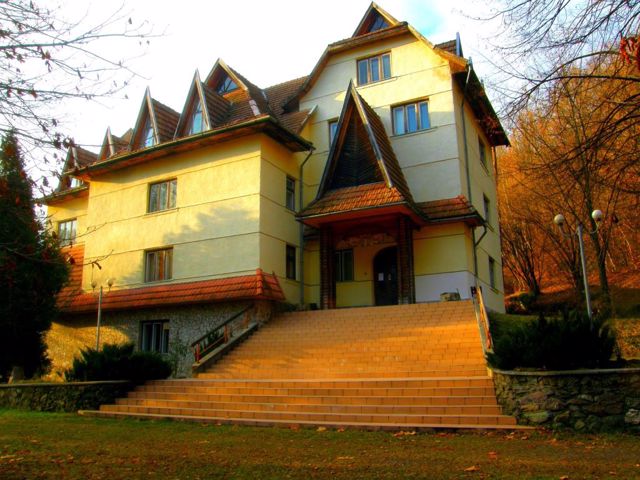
{"x": 565, "y": 343}
{"x": 118, "y": 362}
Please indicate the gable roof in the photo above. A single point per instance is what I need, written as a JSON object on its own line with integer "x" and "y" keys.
{"x": 112, "y": 144}
{"x": 162, "y": 118}
{"x": 362, "y": 170}
{"x": 196, "y": 94}
{"x": 373, "y": 14}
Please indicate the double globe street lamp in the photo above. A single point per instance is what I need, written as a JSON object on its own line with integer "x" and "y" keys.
{"x": 597, "y": 217}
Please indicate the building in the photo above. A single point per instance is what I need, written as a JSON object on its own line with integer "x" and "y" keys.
{"x": 369, "y": 182}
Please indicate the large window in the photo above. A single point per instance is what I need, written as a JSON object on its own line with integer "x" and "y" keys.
{"x": 226, "y": 85}
{"x": 162, "y": 195}
{"x": 411, "y": 117}
{"x": 158, "y": 265}
{"x": 344, "y": 265}
{"x": 67, "y": 231}
{"x": 291, "y": 262}
{"x": 197, "y": 121}
{"x": 374, "y": 69}
{"x": 290, "y": 193}
{"x": 154, "y": 336}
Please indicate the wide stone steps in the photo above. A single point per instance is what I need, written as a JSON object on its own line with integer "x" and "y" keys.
{"x": 412, "y": 366}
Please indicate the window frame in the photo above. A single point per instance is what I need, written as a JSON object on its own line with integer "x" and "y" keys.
{"x": 197, "y": 108}
{"x": 492, "y": 273}
{"x": 147, "y": 136}
{"x": 482, "y": 147}
{"x": 171, "y": 199}
{"x": 158, "y": 274}
{"x": 486, "y": 203}
{"x": 291, "y": 269}
{"x": 380, "y": 68}
{"x": 65, "y": 240}
{"x": 290, "y": 193}
{"x": 340, "y": 257}
{"x": 226, "y": 85}
{"x": 162, "y": 342}
{"x": 333, "y": 129}
{"x": 420, "y": 127}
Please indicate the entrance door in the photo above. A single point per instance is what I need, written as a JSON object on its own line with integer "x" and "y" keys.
{"x": 385, "y": 280}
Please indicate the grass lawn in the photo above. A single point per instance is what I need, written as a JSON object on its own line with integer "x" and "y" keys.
{"x": 66, "y": 446}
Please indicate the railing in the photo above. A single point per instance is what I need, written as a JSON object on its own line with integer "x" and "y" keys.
{"x": 483, "y": 318}
{"x": 221, "y": 335}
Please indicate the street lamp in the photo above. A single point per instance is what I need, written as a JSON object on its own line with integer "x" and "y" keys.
{"x": 94, "y": 284}
{"x": 597, "y": 216}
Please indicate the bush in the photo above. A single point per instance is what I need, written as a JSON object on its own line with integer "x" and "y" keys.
{"x": 118, "y": 362}
{"x": 566, "y": 343}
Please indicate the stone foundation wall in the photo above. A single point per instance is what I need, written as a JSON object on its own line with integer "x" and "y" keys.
{"x": 587, "y": 400}
{"x": 186, "y": 324}
{"x": 61, "y": 397}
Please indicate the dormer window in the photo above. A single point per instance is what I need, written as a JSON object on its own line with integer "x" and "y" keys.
{"x": 197, "y": 120}
{"x": 378, "y": 24}
{"x": 75, "y": 182}
{"x": 226, "y": 85}
{"x": 147, "y": 139}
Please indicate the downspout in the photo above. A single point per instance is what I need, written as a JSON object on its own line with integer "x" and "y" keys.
{"x": 301, "y": 238}
{"x": 467, "y": 171}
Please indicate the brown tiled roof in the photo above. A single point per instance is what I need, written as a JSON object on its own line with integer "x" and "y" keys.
{"x": 217, "y": 106}
{"x": 448, "y": 46}
{"x": 166, "y": 120}
{"x": 450, "y": 209}
{"x": 359, "y": 197}
{"x": 75, "y": 256}
{"x": 259, "y": 286}
{"x": 85, "y": 157}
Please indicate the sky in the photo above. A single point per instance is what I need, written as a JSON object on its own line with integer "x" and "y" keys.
{"x": 266, "y": 41}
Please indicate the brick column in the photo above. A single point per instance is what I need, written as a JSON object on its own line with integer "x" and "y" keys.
{"x": 406, "y": 277}
{"x": 327, "y": 275}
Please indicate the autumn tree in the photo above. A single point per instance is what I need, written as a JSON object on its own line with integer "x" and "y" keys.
{"x": 563, "y": 165}
{"x": 32, "y": 270}
{"x": 47, "y": 60}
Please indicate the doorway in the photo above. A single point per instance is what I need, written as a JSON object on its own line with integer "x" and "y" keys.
{"x": 385, "y": 280}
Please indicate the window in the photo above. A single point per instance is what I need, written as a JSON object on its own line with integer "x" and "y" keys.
{"x": 154, "y": 336}
{"x": 67, "y": 232}
{"x": 483, "y": 152}
{"x": 147, "y": 139}
{"x": 487, "y": 208}
{"x": 162, "y": 195}
{"x": 492, "y": 272}
{"x": 374, "y": 69}
{"x": 291, "y": 262}
{"x": 75, "y": 182}
{"x": 291, "y": 193}
{"x": 158, "y": 265}
{"x": 410, "y": 117}
{"x": 333, "y": 129}
{"x": 226, "y": 85}
{"x": 344, "y": 265}
{"x": 378, "y": 24}
{"x": 197, "y": 123}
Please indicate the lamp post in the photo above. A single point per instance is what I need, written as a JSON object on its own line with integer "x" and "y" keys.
{"x": 94, "y": 284}
{"x": 597, "y": 216}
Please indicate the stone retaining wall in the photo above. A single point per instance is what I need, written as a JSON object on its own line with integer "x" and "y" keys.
{"x": 61, "y": 397}
{"x": 587, "y": 400}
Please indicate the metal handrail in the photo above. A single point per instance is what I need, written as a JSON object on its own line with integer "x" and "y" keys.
{"x": 200, "y": 348}
{"x": 483, "y": 318}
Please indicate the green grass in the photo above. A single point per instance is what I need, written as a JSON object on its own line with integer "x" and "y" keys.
{"x": 52, "y": 446}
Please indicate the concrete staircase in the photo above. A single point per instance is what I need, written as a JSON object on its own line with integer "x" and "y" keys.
{"x": 396, "y": 367}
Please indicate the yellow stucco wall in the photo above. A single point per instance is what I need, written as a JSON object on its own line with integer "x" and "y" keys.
{"x": 68, "y": 210}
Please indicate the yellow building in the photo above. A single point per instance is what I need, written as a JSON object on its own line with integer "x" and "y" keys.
{"x": 369, "y": 182}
